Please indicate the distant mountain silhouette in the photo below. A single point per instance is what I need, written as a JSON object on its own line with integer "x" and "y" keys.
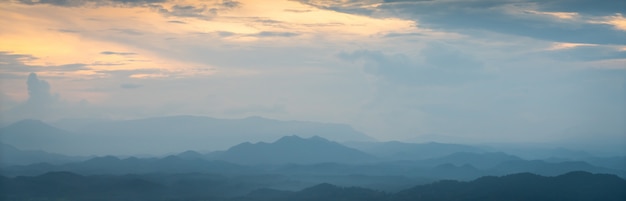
{"x": 172, "y": 134}
{"x": 10, "y": 155}
{"x": 133, "y": 165}
{"x": 36, "y": 135}
{"x": 395, "y": 150}
{"x": 479, "y": 160}
{"x": 191, "y": 155}
{"x": 551, "y": 169}
{"x": 294, "y": 149}
{"x": 178, "y": 133}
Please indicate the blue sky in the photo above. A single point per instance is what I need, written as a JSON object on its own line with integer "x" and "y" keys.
{"x": 464, "y": 71}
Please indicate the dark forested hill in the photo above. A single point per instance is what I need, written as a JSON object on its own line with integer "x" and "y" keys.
{"x": 523, "y": 186}
{"x": 577, "y": 186}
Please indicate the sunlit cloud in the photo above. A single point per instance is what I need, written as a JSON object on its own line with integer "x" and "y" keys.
{"x": 617, "y": 21}
{"x": 562, "y": 46}
{"x": 135, "y": 37}
{"x": 558, "y": 15}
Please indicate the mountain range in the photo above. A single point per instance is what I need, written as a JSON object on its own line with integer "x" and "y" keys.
{"x": 163, "y": 135}
{"x": 294, "y": 149}
{"x": 577, "y": 185}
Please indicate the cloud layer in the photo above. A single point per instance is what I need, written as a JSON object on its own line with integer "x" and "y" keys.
{"x": 479, "y": 70}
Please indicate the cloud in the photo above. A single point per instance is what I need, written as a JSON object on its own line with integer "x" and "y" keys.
{"x": 14, "y": 63}
{"x": 527, "y": 18}
{"x": 130, "y": 86}
{"x": 128, "y": 31}
{"x": 78, "y": 3}
{"x": 275, "y": 34}
{"x": 587, "y": 53}
{"x": 230, "y": 4}
{"x": 441, "y": 65}
{"x": 67, "y": 31}
{"x": 117, "y": 53}
{"x": 203, "y": 11}
{"x": 38, "y": 91}
{"x": 176, "y": 22}
{"x": 40, "y": 104}
{"x": 590, "y": 7}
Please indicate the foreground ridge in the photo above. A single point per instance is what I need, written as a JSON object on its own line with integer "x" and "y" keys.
{"x": 522, "y": 186}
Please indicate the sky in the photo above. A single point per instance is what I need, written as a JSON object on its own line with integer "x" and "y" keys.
{"x": 455, "y": 70}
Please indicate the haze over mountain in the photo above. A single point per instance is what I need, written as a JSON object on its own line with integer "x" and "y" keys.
{"x": 411, "y": 151}
{"x": 171, "y": 134}
{"x": 14, "y": 156}
{"x": 249, "y": 100}
{"x": 36, "y": 135}
{"x": 294, "y": 149}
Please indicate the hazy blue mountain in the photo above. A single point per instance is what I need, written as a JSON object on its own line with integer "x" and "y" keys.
{"x": 10, "y": 155}
{"x": 36, "y": 135}
{"x": 163, "y": 135}
{"x": 294, "y": 149}
{"x": 191, "y": 155}
{"x": 551, "y": 169}
{"x": 478, "y": 160}
{"x": 176, "y": 133}
{"x": 618, "y": 162}
{"x": 395, "y": 150}
{"x": 133, "y": 165}
{"x": 539, "y": 151}
{"x": 451, "y": 171}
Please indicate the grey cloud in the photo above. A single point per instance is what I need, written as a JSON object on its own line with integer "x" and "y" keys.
{"x": 117, "y": 53}
{"x": 128, "y": 73}
{"x": 297, "y": 11}
{"x": 130, "y": 86}
{"x": 128, "y": 31}
{"x": 78, "y": 3}
{"x": 188, "y": 11}
{"x": 275, "y": 34}
{"x": 394, "y": 34}
{"x": 176, "y": 22}
{"x": 201, "y": 12}
{"x": 591, "y": 7}
{"x": 230, "y": 4}
{"x": 442, "y": 65}
{"x": 490, "y": 15}
{"x": 38, "y": 91}
{"x": 14, "y": 63}
{"x": 225, "y": 33}
{"x": 587, "y": 53}
{"x": 67, "y": 67}
{"x": 67, "y": 31}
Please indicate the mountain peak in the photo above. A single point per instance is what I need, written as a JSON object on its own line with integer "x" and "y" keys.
{"x": 296, "y": 138}
{"x": 294, "y": 149}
